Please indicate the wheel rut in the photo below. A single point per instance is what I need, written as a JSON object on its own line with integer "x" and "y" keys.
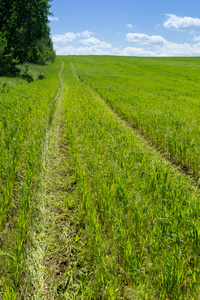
{"x": 51, "y": 245}
{"x": 184, "y": 170}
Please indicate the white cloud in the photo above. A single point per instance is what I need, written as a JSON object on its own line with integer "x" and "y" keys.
{"x": 53, "y": 18}
{"x": 94, "y": 41}
{"x": 168, "y": 49}
{"x": 90, "y": 41}
{"x": 182, "y": 23}
{"x": 144, "y": 45}
{"x": 87, "y": 34}
{"x": 173, "y": 49}
{"x": 133, "y": 51}
{"x": 91, "y": 44}
{"x": 196, "y": 39}
{"x": 70, "y": 36}
{"x": 158, "y": 46}
{"x": 87, "y": 40}
{"x": 129, "y": 25}
{"x": 64, "y": 38}
{"x": 145, "y": 39}
{"x": 93, "y": 50}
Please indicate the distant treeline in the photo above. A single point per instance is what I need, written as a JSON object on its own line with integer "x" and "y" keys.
{"x": 24, "y": 33}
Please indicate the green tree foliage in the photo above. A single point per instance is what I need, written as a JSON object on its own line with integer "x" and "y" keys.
{"x": 24, "y": 27}
{"x": 7, "y": 62}
{"x": 45, "y": 47}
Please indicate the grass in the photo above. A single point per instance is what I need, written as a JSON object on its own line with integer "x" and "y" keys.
{"x": 24, "y": 118}
{"x": 50, "y": 250}
{"x": 159, "y": 97}
{"x": 141, "y": 213}
{"x": 93, "y": 211}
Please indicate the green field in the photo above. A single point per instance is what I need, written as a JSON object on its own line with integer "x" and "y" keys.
{"x": 99, "y": 171}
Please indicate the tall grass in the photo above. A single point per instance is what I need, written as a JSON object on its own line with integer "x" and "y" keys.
{"x": 160, "y": 97}
{"x": 24, "y": 119}
{"x": 142, "y": 215}
{"x": 136, "y": 235}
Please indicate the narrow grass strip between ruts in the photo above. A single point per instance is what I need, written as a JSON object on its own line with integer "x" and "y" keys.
{"x": 37, "y": 258}
{"x": 50, "y": 247}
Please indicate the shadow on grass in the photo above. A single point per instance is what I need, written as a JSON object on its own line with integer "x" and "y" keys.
{"x": 23, "y": 74}
{"x": 27, "y": 77}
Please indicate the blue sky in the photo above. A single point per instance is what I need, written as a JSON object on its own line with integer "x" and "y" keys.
{"x": 128, "y": 27}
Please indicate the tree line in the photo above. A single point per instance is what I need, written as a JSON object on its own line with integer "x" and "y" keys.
{"x": 24, "y": 33}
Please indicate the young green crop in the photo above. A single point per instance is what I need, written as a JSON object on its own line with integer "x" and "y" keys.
{"x": 160, "y": 97}
{"x": 138, "y": 236}
{"x": 142, "y": 215}
{"x": 25, "y": 114}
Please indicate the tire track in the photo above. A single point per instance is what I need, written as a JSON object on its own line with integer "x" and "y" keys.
{"x": 48, "y": 254}
{"x": 145, "y": 140}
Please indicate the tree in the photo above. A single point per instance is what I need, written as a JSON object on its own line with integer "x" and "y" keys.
{"x": 45, "y": 47}
{"x": 7, "y": 61}
{"x": 23, "y": 26}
